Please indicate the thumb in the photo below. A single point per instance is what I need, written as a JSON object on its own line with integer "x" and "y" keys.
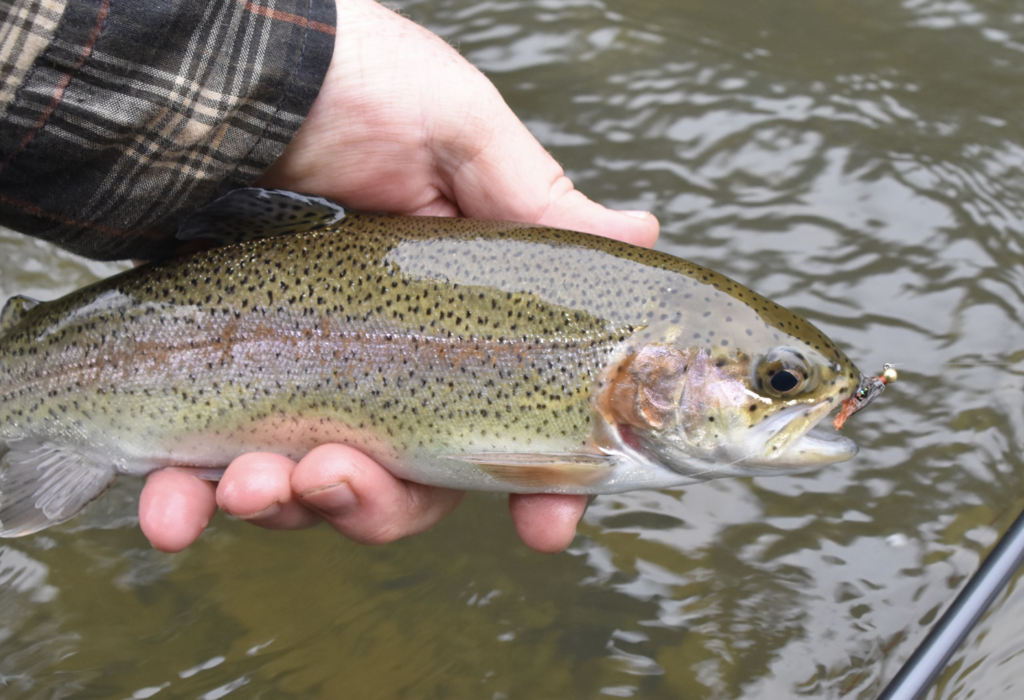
{"x": 513, "y": 178}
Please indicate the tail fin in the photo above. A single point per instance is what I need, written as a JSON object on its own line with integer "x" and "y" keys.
{"x": 41, "y": 485}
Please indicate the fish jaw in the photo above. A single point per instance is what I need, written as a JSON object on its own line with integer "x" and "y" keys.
{"x": 789, "y": 440}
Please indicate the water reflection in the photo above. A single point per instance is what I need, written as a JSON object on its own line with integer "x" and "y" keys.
{"x": 862, "y": 163}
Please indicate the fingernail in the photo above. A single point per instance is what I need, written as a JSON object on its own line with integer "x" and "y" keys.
{"x": 272, "y": 509}
{"x": 333, "y": 498}
{"x": 636, "y": 214}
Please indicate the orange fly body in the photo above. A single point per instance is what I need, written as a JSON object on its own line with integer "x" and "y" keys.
{"x": 868, "y": 392}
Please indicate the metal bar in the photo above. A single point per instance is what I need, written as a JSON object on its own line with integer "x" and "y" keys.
{"x": 932, "y": 655}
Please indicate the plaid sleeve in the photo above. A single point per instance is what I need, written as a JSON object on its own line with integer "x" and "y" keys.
{"x": 117, "y": 119}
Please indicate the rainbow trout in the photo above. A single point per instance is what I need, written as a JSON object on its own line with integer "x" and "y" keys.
{"x": 460, "y": 353}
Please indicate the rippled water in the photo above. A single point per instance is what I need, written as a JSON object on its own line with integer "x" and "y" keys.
{"x": 859, "y": 162}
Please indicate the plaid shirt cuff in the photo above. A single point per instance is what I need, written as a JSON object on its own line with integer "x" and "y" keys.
{"x": 119, "y": 119}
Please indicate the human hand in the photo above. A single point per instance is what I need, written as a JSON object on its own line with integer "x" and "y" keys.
{"x": 404, "y": 125}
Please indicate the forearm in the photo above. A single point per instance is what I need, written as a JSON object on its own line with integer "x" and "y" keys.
{"x": 118, "y": 119}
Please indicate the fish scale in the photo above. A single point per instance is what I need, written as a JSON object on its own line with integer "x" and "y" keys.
{"x": 456, "y": 352}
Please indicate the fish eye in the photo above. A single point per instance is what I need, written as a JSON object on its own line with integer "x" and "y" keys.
{"x": 785, "y": 380}
{"x": 784, "y": 372}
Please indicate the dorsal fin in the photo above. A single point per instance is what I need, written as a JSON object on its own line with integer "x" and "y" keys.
{"x": 251, "y": 213}
{"x": 15, "y": 308}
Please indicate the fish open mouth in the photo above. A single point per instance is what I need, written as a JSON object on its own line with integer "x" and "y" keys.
{"x": 819, "y": 447}
{"x": 790, "y": 439}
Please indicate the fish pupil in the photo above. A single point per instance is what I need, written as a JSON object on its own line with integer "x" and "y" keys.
{"x": 784, "y": 381}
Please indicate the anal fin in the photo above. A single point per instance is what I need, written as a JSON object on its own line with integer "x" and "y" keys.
{"x": 42, "y": 485}
{"x": 537, "y": 470}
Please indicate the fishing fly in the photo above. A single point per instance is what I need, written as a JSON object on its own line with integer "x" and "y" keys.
{"x": 870, "y": 389}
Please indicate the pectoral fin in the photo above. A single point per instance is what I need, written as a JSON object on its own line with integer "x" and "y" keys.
{"x": 534, "y": 470}
{"x": 41, "y": 485}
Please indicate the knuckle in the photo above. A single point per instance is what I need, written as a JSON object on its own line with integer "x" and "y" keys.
{"x": 386, "y": 533}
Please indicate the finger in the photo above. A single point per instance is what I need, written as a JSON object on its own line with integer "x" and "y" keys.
{"x": 174, "y": 508}
{"x": 440, "y": 206}
{"x": 257, "y": 488}
{"x": 362, "y": 500}
{"x": 546, "y": 522}
{"x": 571, "y": 209}
{"x": 500, "y": 171}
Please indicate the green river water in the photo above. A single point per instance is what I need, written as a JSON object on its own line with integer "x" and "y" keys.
{"x": 859, "y": 162}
